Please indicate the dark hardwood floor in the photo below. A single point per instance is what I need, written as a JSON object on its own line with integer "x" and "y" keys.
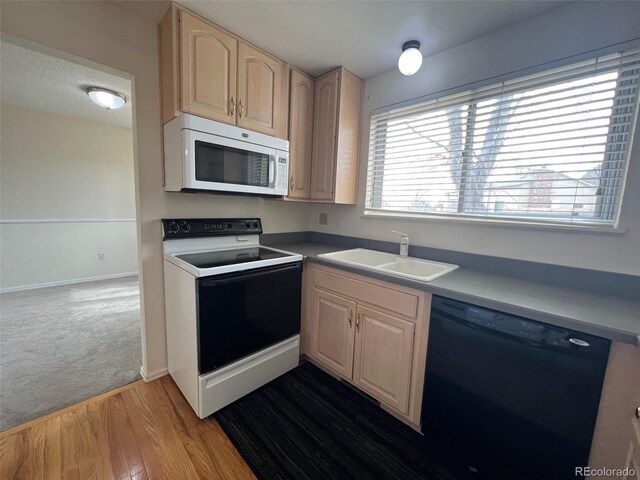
{"x": 308, "y": 425}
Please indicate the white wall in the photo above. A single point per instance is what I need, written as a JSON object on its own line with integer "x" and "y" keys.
{"x": 577, "y": 28}
{"x": 56, "y": 169}
{"x": 106, "y": 37}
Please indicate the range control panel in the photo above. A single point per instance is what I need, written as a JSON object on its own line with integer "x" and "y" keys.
{"x": 209, "y": 227}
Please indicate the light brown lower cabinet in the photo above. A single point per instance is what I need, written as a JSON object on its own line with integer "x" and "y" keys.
{"x": 383, "y": 354}
{"x": 632, "y": 466}
{"x": 616, "y": 439}
{"x": 332, "y": 338}
{"x": 370, "y": 333}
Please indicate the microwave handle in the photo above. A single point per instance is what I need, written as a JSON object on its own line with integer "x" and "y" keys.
{"x": 272, "y": 171}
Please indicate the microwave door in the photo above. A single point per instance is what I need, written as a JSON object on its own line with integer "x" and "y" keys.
{"x": 223, "y": 164}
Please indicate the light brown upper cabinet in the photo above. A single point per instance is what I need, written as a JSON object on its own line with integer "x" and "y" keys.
{"x": 336, "y": 130}
{"x": 324, "y": 130}
{"x": 300, "y": 134}
{"x": 207, "y": 71}
{"x": 259, "y": 90}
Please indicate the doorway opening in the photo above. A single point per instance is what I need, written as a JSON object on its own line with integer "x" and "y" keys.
{"x": 69, "y": 292}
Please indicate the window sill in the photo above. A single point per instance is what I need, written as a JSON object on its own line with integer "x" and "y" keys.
{"x": 492, "y": 222}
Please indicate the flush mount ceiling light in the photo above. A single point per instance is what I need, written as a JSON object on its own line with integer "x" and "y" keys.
{"x": 411, "y": 58}
{"x": 106, "y": 98}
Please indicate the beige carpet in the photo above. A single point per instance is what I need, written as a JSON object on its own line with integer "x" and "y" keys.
{"x": 65, "y": 344}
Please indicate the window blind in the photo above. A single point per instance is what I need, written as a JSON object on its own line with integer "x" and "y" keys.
{"x": 550, "y": 147}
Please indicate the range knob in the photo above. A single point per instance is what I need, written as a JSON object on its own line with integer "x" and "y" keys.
{"x": 255, "y": 224}
{"x": 229, "y": 225}
{"x": 184, "y": 226}
{"x": 248, "y": 225}
{"x": 173, "y": 227}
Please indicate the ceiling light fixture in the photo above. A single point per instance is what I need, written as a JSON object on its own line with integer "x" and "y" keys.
{"x": 411, "y": 59}
{"x": 106, "y": 98}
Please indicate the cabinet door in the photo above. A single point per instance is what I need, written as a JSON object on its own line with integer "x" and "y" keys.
{"x": 259, "y": 90}
{"x": 348, "y": 138}
{"x": 332, "y": 335}
{"x": 633, "y": 455}
{"x": 325, "y": 118}
{"x": 300, "y": 135}
{"x": 208, "y": 59}
{"x": 383, "y": 357}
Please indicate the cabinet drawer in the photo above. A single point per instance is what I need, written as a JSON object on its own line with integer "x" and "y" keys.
{"x": 385, "y": 297}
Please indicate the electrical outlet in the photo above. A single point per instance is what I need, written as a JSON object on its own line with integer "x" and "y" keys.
{"x": 324, "y": 218}
{"x": 102, "y": 257}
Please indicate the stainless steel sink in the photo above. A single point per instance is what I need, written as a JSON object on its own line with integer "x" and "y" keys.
{"x": 407, "y": 267}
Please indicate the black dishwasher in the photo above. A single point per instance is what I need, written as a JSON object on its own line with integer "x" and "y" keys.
{"x": 509, "y": 397}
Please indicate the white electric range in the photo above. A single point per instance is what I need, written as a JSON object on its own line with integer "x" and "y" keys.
{"x": 232, "y": 309}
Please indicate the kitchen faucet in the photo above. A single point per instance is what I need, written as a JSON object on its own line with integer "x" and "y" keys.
{"x": 404, "y": 243}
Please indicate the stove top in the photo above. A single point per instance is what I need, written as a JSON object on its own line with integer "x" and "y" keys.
{"x": 215, "y": 246}
{"x": 230, "y": 257}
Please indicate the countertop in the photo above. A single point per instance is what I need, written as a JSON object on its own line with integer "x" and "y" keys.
{"x": 610, "y": 317}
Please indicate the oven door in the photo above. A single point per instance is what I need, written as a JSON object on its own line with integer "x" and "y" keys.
{"x": 223, "y": 164}
{"x": 243, "y": 312}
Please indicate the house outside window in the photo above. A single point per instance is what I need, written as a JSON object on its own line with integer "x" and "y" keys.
{"x": 547, "y": 148}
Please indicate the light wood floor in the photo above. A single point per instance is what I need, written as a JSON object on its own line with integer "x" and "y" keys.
{"x": 142, "y": 431}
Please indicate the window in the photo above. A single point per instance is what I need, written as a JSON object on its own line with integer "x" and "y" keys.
{"x": 547, "y": 148}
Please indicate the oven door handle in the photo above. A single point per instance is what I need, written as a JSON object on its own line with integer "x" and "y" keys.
{"x": 247, "y": 275}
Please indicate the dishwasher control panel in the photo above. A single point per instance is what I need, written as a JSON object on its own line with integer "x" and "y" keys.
{"x": 518, "y": 328}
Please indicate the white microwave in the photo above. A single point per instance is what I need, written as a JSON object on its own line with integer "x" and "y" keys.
{"x": 203, "y": 155}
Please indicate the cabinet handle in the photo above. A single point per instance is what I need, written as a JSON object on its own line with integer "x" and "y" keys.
{"x": 240, "y": 108}
{"x": 291, "y": 183}
{"x": 358, "y": 323}
{"x": 638, "y": 412}
{"x": 350, "y": 318}
{"x": 233, "y": 107}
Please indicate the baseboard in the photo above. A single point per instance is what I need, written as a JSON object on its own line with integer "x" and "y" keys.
{"x": 33, "y": 286}
{"x": 150, "y": 377}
